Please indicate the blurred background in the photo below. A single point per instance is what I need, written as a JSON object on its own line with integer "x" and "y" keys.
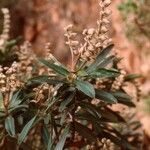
{"x": 41, "y": 21}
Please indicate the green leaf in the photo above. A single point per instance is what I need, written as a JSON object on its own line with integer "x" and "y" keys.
{"x": 105, "y": 96}
{"x": 110, "y": 116}
{"x": 106, "y": 62}
{"x": 132, "y": 77}
{"x": 15, "y": 99}
{"x": 57, "y": 68}
{"x": 104, "y": 73}
{"x": 10, "y": 126}
{"x": 13, "y": 42}
{"x": 17, "y": 108}
{"x": 65, "y": 102}
{"x": 121, "y": 94}
{"x": 92, "y": 109}
{"x": 51, "y": 102}
{"x": 62, "y": 140}
{"x": 86, "y": 116}
{"x": 43, "y": 79}
{"x": 85, "y": 132}
{"x": 47, "y": 119}
{"x": 63, "y": 118}
{"x": 85, "y": 87}
{"x": 95, "y": 121}
{"x": 82, "y": 73}
{"x": 1, "y": 97}
{"x": 2, "y": 113}
{"x": 118, "y": 141}
{"x": 100, "y": 58}
{"x": 45, "y": 135}
{"x": 50, "y": 142}
{"x": 1, "y": 101}
{"x": 123, "y": 98}
{"x": 25, "y": 130}
{"x": 39, "y": 79}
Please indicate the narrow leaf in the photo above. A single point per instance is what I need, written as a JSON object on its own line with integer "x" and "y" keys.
{"x": 105, "y": 96}
{"x": 10, "y": 125}
{"x": 17, "y": 108}
{"x": 85, "y": 132}
{"x": 110, "y": 116}
{"x": 1, "y": 101}
{"x": 132, "y": 77}
{"x": 25, "y": 130}
{"x": 57, "y": 68}
{"x": 104, "y": 73}
{"x": 43, "y": 79}
{"x": 106, "y": 62}
{"x": 100, "y": 58}
{"x": 62, "y": 140}
{"x": 66, "y": 102}
{"x": 45, "y": 135}
{"x": 91, "y": 109}
{"x": 15, "y": 99}
{"x": 50, "y": 142}
{"x": 120, "y": 142}
{"x": 85, "y": 87}
{"x": 123, "y": 98}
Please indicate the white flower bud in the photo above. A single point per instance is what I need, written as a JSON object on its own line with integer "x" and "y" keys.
{"x": 76, "y": 52}
{"x": 5, "y": 10}
{"x": 3, "y": 89}
{"x": 104, "y": 29}
{"x": 91, "y": 48}
{"x": 74, "y": 43}
{"x": 98, "y": 45}
{"x": 91, "y": 31}
{"x": 2, "y": 76}
{"x": 107, "y": 12}
{"x": 107, "y": 3}
{"x": 9, "y": 71}
{"x": 103, "y": 37}
{"x": 69, "y": 27}
{"x": 84, "y": 31}
{"x": 105, "y": 21}
{"x": 2, "y": 81}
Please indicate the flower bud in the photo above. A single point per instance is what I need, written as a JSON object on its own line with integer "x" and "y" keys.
{"x": 91, "y": 31}
{"x": 107, "y": 3}
{"x": 104, "y": 29}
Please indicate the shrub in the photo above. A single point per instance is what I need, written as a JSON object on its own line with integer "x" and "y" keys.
{"x": 53, "y": 106}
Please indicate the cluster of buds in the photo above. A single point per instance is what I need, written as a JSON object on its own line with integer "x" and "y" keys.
{"x": 96, "y": 39}
{"x": 118, "y": 81}
{"x": 25, "y": 60}
{"x": 48, "y": 51}
{"x": 103, "y": 144}
{"x": 69, "y": 34}
{"x": 36, "y": 141}
{"x": 101, "y": 83}
{"x": 39, "y": 97}
{"x": 8, "y": 78}
{"x": 6, "y": 28}
{"x": 107, "y": 144}
{"x": 138, "y": 89}
{"x": 89, "y": 49}
{"x": 9, "y": 81}
{"x": 104, "y": 23}
{"x": 40, "y": 91}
